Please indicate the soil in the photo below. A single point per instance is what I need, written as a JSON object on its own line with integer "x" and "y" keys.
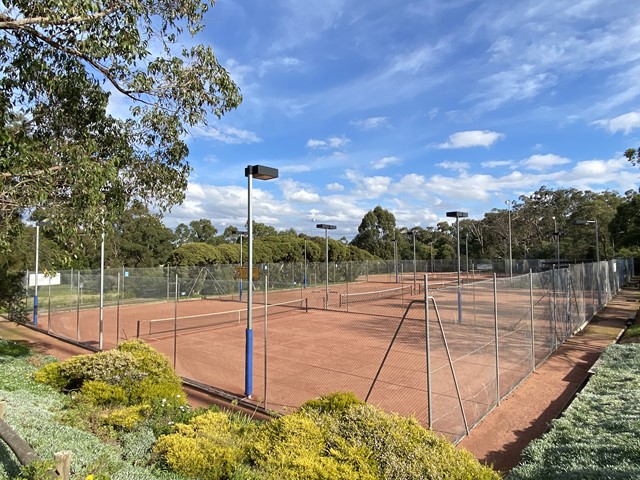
{"x": 526, "y": 414}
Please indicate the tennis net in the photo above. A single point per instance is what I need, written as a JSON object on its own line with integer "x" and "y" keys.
{"x": 347, "y": 298}
{"x": 207, "y": 320}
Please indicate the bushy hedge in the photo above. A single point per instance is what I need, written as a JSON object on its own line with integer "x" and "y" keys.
{"x": 333, "y": 438}
{"x": 597, "y": 436}
{"x": 120, "y": 388}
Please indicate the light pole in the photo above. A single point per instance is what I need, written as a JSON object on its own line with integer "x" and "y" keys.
{"x": 35, "y": 291}
{"x": 509, "y": 204}
{"x": 458, "y": 216}
{"x": 466, "y": 252}
{"x": 326, "y": 227}
{"x": 242, "y": 234}
{"x": 431, "y": 244}
{"x": 100, "y": 323}
{"x": 261, "y": 173}
{"x": 556, "y": 235}
{"x": 414, "y": 258}
{"x": 595, "y": 222}
{"x": 305, "y": 263}
{"x": 395, "y": 256}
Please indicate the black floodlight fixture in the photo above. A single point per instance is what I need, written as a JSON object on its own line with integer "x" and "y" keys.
{"x": 326, "y": 226}
{"x": 457, "y": 214}
{"x": 261, "y": 172}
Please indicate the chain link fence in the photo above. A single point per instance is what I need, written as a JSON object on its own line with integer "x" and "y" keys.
{"x": 409, "y": 337}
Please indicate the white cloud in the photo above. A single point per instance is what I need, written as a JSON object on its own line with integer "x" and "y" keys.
{"x": 460, "y": 166}
{"x": 228, "y": 135}
{"x": 496, "y": 163}
{"x": 329, "y": 143}
{"x": 543, "y": 162}
{"x": 622, "y": 123}
{"x": 385, "y": 162}
{"x": 370, "y": 123}
{"x": 472, "y": 138}
{"x": 280, "y": 64}
{"x": 296, "y": 192}
{"x": 335, "y": 187}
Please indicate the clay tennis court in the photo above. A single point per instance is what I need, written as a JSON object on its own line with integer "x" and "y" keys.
{"x": 355, "y": 344}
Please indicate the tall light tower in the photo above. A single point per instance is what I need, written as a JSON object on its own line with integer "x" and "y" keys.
{"x": 509, "y": 204}
{"x": 458, "y": 216}
{"x": 35, "y": 291}
{"x": 261, "y": 173}
{"x": 326, "y": 228}
{"x": 413, "y": 232}
{"x": 241, "y": 234}
{"x": 595, "y": 222}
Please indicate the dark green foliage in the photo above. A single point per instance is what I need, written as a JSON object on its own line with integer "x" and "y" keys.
{"x": 194, "y": 254}
{"x": 13, "y": 349}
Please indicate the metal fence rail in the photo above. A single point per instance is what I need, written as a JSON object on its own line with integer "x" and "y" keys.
{"x": 417, "y": 344}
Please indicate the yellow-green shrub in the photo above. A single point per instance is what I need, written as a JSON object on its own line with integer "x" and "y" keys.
{"x": 403, "y": 448}
{"x": 208, "y": 448}
{"x": 140, "y": 371}
{"x": 294, "y": 447}
{"x": 100, "y": 393}
{"x": 126, "y": 418}
{"x": 334, "y": 402}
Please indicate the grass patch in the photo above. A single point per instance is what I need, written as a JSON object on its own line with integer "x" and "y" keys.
{"x": 13, "y": 349}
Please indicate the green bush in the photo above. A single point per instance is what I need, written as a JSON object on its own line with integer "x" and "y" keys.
{"x": 100, "y": 393}
{"x": 335, "y": 402}
{"x": 295, "y": 446}
{"x": 135, "y": 368}
{"x": 209, "y": 447}
{"x": 334, "y": 437}
{"x": 126, "y": 418}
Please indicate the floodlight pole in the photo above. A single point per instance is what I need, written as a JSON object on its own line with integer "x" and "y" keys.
{"x": 242, "y": 234}
{"x": 326, "y": 228}
{"x": 101, "y": 320}
{"x": 509, "y": 203}
{"x": 458, "y": 216}
{"x": 261, "y": 173}
{"x": 305, "y": 263}
{"x": 395, "y": 256}
{"x": 35, "y": 291}
{"x": 414, "y": 258}
{"x": 595, "y": 222}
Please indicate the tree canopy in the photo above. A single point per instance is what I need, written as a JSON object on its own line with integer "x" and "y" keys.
{"x": 61, "y": 151}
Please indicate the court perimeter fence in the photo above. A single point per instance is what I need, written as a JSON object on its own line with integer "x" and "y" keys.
{"x": 406, "y": 337}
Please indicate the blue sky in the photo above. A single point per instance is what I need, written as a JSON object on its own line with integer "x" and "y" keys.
{"x": 418, "y": 106}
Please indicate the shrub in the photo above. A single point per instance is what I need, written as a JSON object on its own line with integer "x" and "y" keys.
{"x": 295, "y": 446}
{"x": 101, "y": 393}
{"x": 209, "y": 447}
{"x": 126, "y": 418}
{"x": 335, "y": 402}
{"x": 137, "y": 369}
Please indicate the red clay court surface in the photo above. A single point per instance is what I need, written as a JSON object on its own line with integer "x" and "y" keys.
{"x": 322, "y": 351}
{"x": 522, "y": 416}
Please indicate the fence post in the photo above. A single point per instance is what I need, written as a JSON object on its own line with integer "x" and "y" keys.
{"x": 533, "y": 330}
{"x": 62, "y": 461}
{"x": 428, "y": 349}
{"x": 118, "y": 314}
{"x": 175, "y": 325}
{"x": 266, "y": 308}
{"x": 495, "y": 318}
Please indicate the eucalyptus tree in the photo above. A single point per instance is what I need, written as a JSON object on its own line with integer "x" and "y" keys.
{"x": 61, "y": 64}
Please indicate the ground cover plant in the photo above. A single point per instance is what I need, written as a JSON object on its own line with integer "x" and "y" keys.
{"x": 37, "y": 412}
{"x": 597, "y": 437}
{"x": 119, "y": 414}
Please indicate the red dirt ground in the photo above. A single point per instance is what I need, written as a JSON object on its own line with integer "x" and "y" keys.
{"x": 523, "y": 416}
